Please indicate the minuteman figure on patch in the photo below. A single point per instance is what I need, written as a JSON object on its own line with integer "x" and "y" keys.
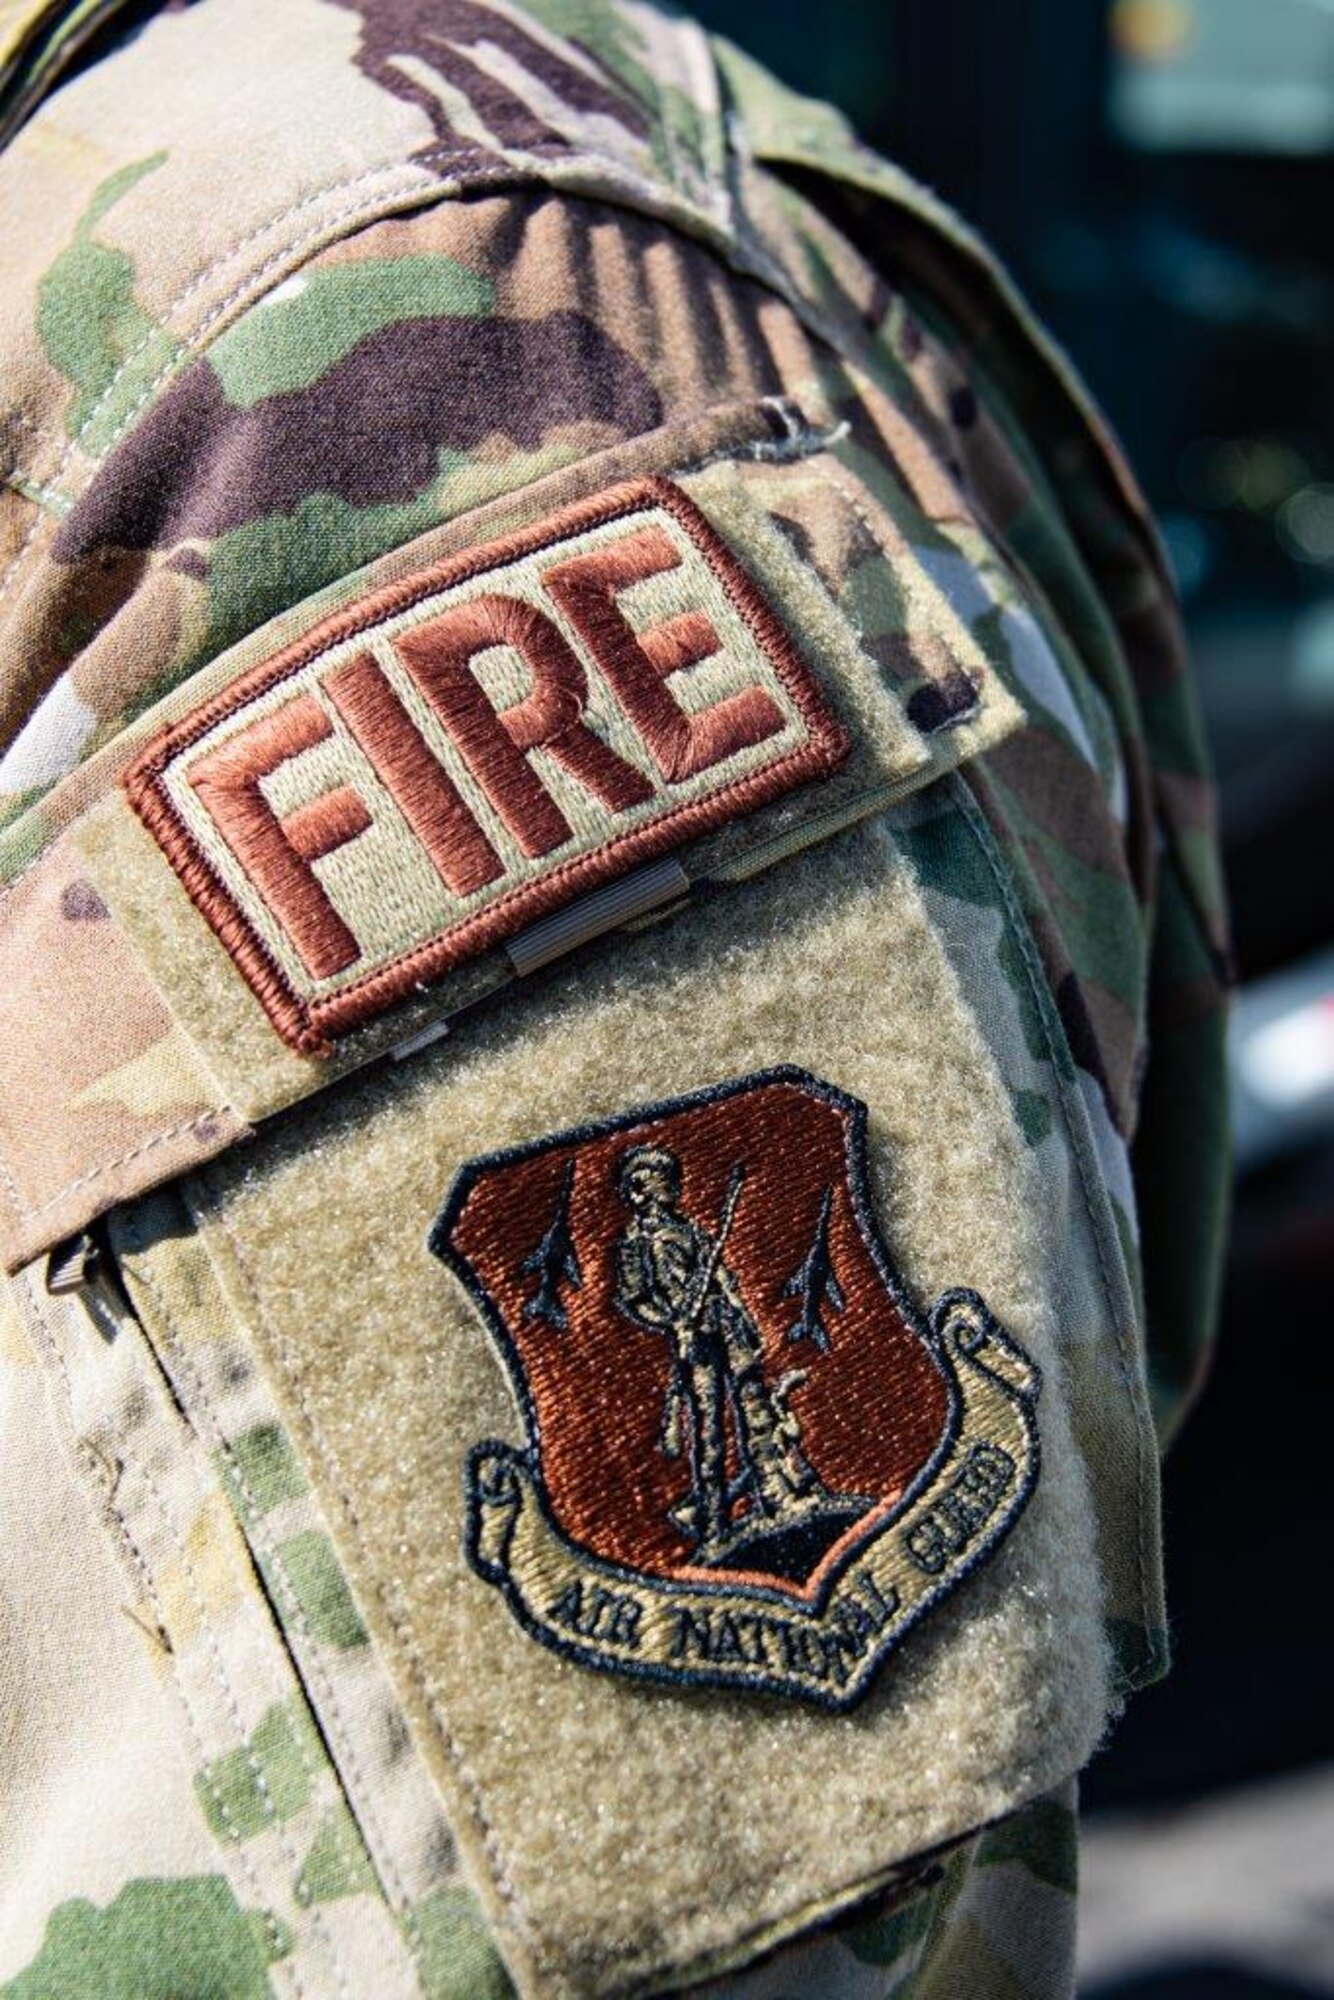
{"x": 669, "y": 1513}
{"x": 671, "y": 1279}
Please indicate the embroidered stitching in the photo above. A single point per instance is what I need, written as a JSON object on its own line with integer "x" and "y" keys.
{"x": 799, "y": 441}
{"x": 97, "y": 1469}
{"x": 492, "y": 743}
{"x": 256, "y": 1532}
{"x": 1076, "y": 1125}
{"x": 195, "y": 1124}
{"x": 224, "y": 306}
{"x": 512, "y": 1913}
{"x": 740, "y": 1533}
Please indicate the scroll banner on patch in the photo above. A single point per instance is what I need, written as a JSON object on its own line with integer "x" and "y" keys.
{"x": 757, "y": 1639}
{"x": 751, "y": 1461}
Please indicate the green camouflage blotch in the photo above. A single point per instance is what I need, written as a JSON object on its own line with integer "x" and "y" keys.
{"x": 1198, "y": 856}
{"x": 1183, "y": 1155}
{"x": 24, "y": 845}
{"x": 965, "y": 1961}
{"x": 309, "y": 1565}
{"x": 1141, "y": 1654}
{"x": 455, "y": 1955}
{"x": 41, "y": 496}
{"x": 1033, "y": 1111}
{"x": 888, "y": 1940}
{"x": 262, "y": 1470}
{"x": 267, "y": 1779}
{"x": 1043, "y": 1838}
{"x": 949, "y": 861}
{"x": 266, "y": 565}
{"x": 91, "y": 326}
{"x": 159, "y": 1940}
{"x": 337, "y": 1864}
{"x": 1102, "y": 924}
{"x": 678, "y": 135}
{"x": 1038, "y": 539}
{"x": 291, "y": 338}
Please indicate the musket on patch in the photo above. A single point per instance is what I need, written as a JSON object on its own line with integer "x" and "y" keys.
{"x": 688, "y": 1323}
{"x": 694, "y": 1312}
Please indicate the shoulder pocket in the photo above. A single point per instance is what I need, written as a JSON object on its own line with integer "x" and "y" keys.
{"x": 558, "y": 693}
{"x": 692, "y": 1346}
{"x": 379, "y": 809}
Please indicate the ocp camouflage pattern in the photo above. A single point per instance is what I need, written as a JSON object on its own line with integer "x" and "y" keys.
{"x": 287, "y": 289}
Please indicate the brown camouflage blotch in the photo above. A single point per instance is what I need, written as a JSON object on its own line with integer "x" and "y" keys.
{"x": 1188, "y": 800}
{"x": 81, "y": 904}
{"x": 895, "y": 438}
{"x": 1104, "y": 1039}
{"x": 369, "y": 430}
{"x": 441, "y": 33}
{"x": 149, "y": 624}
{"x": 1051, "y": 782}
{"x": 1183, "y": 1004}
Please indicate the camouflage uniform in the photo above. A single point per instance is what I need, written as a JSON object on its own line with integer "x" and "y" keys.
{"x": 296, "y": 300}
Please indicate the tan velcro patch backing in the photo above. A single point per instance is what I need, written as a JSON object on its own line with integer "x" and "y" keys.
{"x": 453, "y": 758}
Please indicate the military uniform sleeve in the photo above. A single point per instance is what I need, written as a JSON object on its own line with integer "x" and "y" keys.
{"x": 600, "y": 812}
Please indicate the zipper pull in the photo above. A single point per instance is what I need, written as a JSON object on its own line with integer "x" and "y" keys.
{"x": 82, "y": 1268}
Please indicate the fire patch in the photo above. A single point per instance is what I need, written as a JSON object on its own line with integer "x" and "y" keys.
{"x": 443, "y": 764}
{"x": 750, "y": 1460}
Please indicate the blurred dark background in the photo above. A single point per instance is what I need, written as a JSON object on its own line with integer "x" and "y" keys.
{"x": 1158, "y": 176}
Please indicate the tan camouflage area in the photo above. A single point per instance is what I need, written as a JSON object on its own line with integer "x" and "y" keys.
{"x": 476, "y": 261}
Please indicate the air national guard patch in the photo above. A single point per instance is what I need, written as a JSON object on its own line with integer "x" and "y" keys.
{"x": 750, "y": 1460}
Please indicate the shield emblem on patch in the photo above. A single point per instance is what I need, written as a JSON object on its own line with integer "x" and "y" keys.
{"x": 750, "y": 1460}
